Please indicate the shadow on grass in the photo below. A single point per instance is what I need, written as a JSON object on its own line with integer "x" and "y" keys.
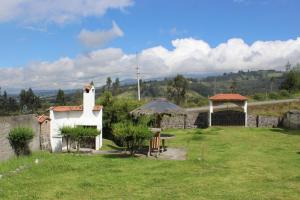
{"x": 115, "y": 147}
{"x": 121, "y": 155}
{"x": 286, "y": 131}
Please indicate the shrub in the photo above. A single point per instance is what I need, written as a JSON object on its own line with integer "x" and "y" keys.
{"x": 274, "y": 95}
{"x": 78, "y": 134}
{"x": 284, "y": 93}
{"x": 133, "y": 136}
{"x": 19, "y": 139}
{"x": 116, "y": 110}
{"x": 259, "y": 97}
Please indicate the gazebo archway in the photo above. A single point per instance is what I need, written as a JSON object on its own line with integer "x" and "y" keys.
{"x": 226, "y": 118}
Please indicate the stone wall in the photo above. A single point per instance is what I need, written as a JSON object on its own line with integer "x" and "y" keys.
{"x": 196, "y": 119}
{"x": 174, "y": 121}
{"x": 252, "y": 120}
{"x": 45, "y": 135}
{"x": 264, "y": 121}
{"x": 7, "y": 123}
{"x": 292, "y": 119}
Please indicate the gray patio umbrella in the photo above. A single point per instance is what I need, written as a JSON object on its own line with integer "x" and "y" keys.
{"x": 158, "y": 108}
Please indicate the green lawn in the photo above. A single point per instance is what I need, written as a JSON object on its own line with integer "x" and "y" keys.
{"x": 223, "y": 163}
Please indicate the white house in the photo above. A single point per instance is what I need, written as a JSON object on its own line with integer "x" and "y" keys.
{"x": 88, "y": 115}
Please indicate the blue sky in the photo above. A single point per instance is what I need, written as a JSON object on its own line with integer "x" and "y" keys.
{"x": 147, "y": 27}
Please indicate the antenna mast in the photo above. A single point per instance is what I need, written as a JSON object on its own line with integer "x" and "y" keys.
{"x": 138, "y": 77}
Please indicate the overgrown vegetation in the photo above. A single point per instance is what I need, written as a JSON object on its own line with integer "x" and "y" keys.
{"x": 291, "y": 82}
{"x": 133, "y": 135}
{"x": 19, "y": 139}
{"x": 115, "y": 110}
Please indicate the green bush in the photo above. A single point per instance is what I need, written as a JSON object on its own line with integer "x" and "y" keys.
{"x": 19, "y": 139}
{"x": 133, "y": 136}
{"x": 116, "y": 110}
{"x": 259, "y": 97}
{"x": 274, "y": 95}
{"x": 284, "y": 93}
{"x": 78, "y": 134}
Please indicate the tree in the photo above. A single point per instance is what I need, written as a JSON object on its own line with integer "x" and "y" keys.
{"x": 132, "y": 135}
{"x": 288, "y": 67}
{"x": 272, "y": 83}
{"x": 177, "y": 89}
{"x": 29, "y": 102}
{"x": 233, "y": 87}
{"x": 60, "y": 98}
{"x": 12, "y": 105}
{"x": 3, "y": 103}
{"x": 108, "y": 83}
{"x": 116, "y": 87}
{"x": 116, "y": 110}
{"x": 292, "y": 80}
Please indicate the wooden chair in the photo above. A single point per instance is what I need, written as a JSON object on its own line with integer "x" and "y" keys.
{"x": 154, "y": 145}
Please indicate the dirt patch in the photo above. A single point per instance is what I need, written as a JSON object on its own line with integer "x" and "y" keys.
{"x": 173, "y": 154}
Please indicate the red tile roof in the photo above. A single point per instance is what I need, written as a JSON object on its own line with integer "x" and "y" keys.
{"x": 228, "y": 97}
{"x": 42, "y": 118}
{"x": 73, "y": 108}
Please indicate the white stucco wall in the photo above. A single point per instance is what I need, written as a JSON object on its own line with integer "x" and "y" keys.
{"x": 86, "y": 117}
{"x": 73, "y": 118}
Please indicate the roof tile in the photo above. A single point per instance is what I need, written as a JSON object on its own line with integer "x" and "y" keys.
{"x": 228, "y": 97}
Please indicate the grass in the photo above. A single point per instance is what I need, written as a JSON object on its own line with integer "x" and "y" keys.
{"x": 223, "y": 163}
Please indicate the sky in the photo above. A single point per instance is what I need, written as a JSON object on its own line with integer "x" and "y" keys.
{"x": 51, "y": 44}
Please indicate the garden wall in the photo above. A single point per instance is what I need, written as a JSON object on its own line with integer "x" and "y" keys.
{"x": 7, "y": 123}
{"x": 197, "y": 119}
{"x": 292, "y": 120}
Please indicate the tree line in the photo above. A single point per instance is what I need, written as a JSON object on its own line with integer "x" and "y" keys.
{"x": 27, "y": 102}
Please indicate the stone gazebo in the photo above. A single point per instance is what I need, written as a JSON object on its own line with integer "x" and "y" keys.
{"x": 221, "y": 99}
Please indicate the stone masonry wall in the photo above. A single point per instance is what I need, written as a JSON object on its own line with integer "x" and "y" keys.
{"x": 7, "y": 123}
{"x": 45, "y": 135}
{"x": 292, "y": 119}
{"x": 196, "y": 119}
{"x": 177, "y": 121}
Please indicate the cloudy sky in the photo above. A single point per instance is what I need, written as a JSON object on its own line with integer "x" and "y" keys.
{"x": 50, "y": 44}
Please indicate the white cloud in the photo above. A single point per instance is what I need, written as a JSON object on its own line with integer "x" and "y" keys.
{"x": 99, "y": 38}
{"x": 187, "y": 56}
{"x": 56, "y": 11}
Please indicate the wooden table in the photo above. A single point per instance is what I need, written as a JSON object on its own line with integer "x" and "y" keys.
{"x": 164, "y": 137}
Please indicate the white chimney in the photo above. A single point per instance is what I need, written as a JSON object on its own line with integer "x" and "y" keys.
{"x": 88, "y": 98}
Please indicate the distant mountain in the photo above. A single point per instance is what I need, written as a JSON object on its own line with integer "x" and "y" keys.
{"x": 203, "y": 84}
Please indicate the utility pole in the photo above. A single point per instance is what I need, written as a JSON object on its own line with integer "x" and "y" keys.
{"x": 138, "y": 77}
{"x": 215, "y": 86}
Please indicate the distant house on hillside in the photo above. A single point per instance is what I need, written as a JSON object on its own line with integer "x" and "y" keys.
{"x": 87, "y": 115}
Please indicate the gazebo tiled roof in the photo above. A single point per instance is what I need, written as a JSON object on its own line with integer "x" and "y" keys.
{"x": 228, "y": 97}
